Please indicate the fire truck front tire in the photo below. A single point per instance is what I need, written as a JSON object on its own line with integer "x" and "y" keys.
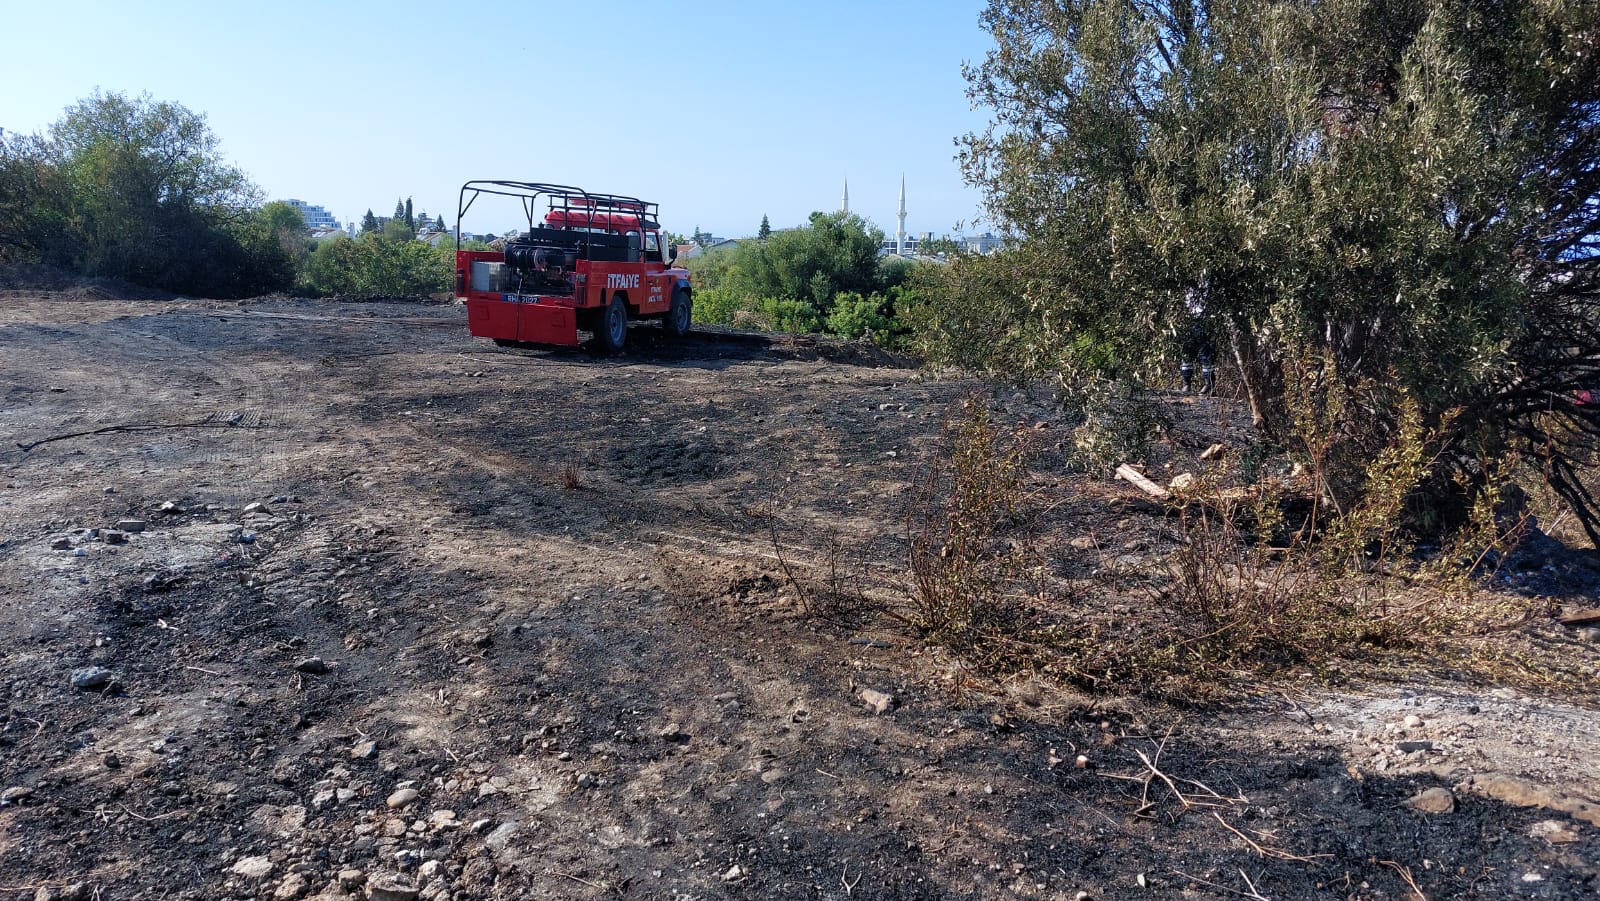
{"x": 611, "y": 330}
{"x": 679, "y": 314}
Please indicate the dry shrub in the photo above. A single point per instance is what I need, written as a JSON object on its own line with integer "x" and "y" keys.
{"x": 972, "y": 588}
{"x": 1252, "y": 590}
{"x": 1267, "y": 575}
{"x": 836, "y": 588}
{"x": 570, "y": 478}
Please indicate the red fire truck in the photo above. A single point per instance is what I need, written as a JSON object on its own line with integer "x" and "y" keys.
{"x": 588, "y": 261}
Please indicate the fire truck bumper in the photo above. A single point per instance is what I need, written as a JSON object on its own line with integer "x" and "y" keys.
{"x": 526, "y": 322}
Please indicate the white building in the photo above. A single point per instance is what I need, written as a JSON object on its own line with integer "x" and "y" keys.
{"x": 316, "y": 217}
{"x": 984, "y": 243}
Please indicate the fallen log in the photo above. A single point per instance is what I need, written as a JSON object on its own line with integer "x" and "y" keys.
{"x": 1581, "y": 617}
{"x": 1137, "y": 479}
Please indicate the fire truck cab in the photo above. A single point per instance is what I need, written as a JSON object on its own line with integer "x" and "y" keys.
{"x": 586, "y": 261}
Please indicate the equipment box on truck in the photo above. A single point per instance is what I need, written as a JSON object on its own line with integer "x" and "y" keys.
{"x": 586, "y": 261}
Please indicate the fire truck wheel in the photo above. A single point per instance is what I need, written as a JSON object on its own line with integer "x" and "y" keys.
{"x": 613, "y": 330}
{"x": 679, "y": 314}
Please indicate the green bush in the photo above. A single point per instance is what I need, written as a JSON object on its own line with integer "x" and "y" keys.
{"x": 371, "y": 266}
{"x": 854, "y": 316}
{"x": 780, "y": 314}
{"x": 725, "y": 306}
{"x": 715, "y": 305}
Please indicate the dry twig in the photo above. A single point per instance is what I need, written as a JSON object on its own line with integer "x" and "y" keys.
{"x": 1223, "y": 888}
{"x": 849, "y": 887}
{"x": 1276, "y": 853}
{"x": 1405, "y": 873}
{"x": 578, "y": 879}
{"x": 139, "y": 816}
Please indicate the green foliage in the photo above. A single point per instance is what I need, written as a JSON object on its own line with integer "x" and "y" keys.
{"x": 894, "y": 271}
{"x": 854, "y": 316}
{"x": 275, "y": 238}
{"x": 715, "y": 305}
{"x": 765, "y": 231}
{"x": 780, "y": 314}
{"x": 396, "y": 231}
{"x": 133, "y": 188}
{"x": 1121, "y": 421}
{"x": 370, "y": 266}
{"x": 709, "y": 268}
{"x": 34, "y": 202}
{"x": 825, "y": 274}
{"x": 834, "y": 252}
{"x": 980, "y": 312}
{"x": 1405, "y": 189}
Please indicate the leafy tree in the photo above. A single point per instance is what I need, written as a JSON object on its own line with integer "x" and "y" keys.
{"x": 134, "y": 188}
{"x": 396, "y": 230}
{"x": 369, "y": 222}
{"x": 834, "y": 252}
{"x": 831, "y": 260}
{"x": 34, "y": 202}
{"x": 894, "y": 270}
{"x": 944, "y": 246}
{"x": 438, "y": 224}
{"x": 1397, "y": 197}
{"x": 765, "y": 231}
{"x": 275, "y": 239}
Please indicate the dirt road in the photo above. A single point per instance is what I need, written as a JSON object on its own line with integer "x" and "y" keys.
{"x": 394, "y": 613}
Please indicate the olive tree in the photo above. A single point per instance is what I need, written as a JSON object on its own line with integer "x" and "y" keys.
{"x": 1400, "y": 197}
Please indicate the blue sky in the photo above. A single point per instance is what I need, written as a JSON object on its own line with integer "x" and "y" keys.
{"x": 719, "y": 111}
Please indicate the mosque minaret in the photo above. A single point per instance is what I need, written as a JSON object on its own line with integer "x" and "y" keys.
{"x": 900, "y": 236}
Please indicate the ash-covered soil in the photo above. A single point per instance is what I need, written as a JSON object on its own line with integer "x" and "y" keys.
{"x": 392, "y": 613}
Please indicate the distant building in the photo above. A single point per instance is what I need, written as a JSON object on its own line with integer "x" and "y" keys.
{"x": 984, "y": 243}
{"x": 316, "y": 217}
{"x": 912, "y": 246}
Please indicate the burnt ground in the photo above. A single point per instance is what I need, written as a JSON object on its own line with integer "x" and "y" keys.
{"x": 560, "y": 657}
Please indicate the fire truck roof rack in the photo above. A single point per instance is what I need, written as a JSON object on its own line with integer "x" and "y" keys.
{"x": 565, "y": 203}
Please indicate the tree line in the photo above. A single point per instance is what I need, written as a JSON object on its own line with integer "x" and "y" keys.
{"x": 136, "y": 189}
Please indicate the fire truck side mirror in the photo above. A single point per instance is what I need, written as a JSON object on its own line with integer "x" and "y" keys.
{"x": 672, "y": 253}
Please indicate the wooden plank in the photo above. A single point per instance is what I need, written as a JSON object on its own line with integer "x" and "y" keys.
{"x": 1587, "y": 617}
{"x": 1137, "y": 479}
